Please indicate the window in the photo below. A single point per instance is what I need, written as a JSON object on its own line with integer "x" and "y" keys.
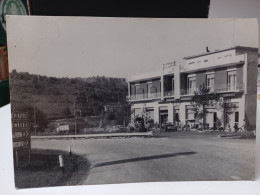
{"x": 138, "y": 112}
{"x": 210, "y": 81}
{"x": 191, "y": 84}
{"x": 139, "y": 92}
{"x": 232, "y": 80}
{"x": 149, "y": 114}
{"x": 151, "y": 90}
{"x": 177, "y": 115}
{"x": 190, "y": 113}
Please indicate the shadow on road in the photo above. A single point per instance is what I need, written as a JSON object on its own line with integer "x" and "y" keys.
{"x": 143, "y": 158}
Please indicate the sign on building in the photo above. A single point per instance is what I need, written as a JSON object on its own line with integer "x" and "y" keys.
{"x": 21, "y": 131}
{"x": 169, "y": 68}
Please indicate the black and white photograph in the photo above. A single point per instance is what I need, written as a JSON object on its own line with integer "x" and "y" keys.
{"x": 129, "y": 100}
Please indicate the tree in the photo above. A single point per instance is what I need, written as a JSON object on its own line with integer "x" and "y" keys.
{"x": 66, "y": 112}
{"x": 202, "y": 99}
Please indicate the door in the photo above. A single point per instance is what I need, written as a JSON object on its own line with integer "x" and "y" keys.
{"x": 230, "y": 121}
{"x": 210, "y": 119}
{"x": 215, "y": 122}
{"x": 163, "y": 117}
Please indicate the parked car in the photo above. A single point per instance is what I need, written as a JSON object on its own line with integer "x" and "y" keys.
{"x": 169, "y": 127}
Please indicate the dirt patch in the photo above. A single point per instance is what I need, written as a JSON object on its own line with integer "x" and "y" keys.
{"x": 44, "y": 170}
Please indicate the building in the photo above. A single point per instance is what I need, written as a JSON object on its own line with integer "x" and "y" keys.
{"x": 112, "y": 107}
{"x": 165, "y": 96}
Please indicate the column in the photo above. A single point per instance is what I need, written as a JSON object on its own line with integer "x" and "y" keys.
{"x": 156, "y": 114}
{"x": 129, "y": 95}
{"x": 182, "y": 113}
{"x": 162, "y": 84}
{"x": 170, "y": 113}
{"x": 177, "y": 93}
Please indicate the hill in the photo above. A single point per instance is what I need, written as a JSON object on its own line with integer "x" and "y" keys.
{"x": 57, "y": 97}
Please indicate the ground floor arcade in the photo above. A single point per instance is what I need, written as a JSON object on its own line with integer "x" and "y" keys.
{"x": 226, "y": 114}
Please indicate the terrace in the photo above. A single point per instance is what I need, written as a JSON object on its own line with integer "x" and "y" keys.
{"x": 218, "y": 89}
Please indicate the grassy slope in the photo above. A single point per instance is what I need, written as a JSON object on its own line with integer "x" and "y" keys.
{"x": 44, "y": 170}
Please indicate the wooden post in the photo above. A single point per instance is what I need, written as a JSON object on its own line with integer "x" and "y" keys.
{"x": 34, "y": 120}
{"x": 75, "y": 117}
{"x": 69, "y": 149}
{"x": 16, "y": 156}
{"x": 61, "y": 164}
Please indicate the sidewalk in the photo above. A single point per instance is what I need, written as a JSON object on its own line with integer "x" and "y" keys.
{"x": 103, "y": 135}
{"x": 220, "y": 134}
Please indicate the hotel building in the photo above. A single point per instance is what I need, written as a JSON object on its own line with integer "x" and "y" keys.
{"x": 165, "y": 96}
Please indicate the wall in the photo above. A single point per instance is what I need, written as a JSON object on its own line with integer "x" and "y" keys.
{"x": 240, "y": 79}
{"x": 251, "y": 85}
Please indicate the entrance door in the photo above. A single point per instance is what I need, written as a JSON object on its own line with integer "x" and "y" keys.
{"x": 209, "y": 119}
{"x": 215, "y": 122}
{"x": 230, "y": 120}
{"x": 163, "y": 117}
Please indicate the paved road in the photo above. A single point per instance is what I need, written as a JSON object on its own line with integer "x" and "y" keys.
{"x": 180, "y": 158}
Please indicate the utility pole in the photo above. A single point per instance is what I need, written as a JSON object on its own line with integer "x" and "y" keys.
{"x": 75, "y": 117}
{"x": 34, "y": 120}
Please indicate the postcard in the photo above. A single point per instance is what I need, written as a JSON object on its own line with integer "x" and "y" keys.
{"x": 128, "y": 100}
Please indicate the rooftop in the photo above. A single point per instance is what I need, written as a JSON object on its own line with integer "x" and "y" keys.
{"x": 218, "y": 51}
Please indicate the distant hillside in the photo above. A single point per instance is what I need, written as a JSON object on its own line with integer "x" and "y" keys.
{"x": 56, "y": 96}
{"x": 94, "y": 79}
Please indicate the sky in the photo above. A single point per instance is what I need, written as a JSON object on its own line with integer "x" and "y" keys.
{"x": 116, "y": 47}
{"x": 235, "y": 9}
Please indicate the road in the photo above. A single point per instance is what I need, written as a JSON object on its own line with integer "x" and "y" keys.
{"x": 175, "y": 158}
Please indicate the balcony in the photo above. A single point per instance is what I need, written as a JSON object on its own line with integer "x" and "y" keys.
{"x": 218, "y": 89}
{"x": 188, "y": 91}
{"x": 144, "y": 96}
{"x": 169, "y": 93}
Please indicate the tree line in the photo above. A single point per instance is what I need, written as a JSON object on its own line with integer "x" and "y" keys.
{"x": 57, "y": 97}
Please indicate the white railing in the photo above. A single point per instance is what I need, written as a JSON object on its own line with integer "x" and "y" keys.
{"x": 145, "y": 96}
{"x": 169, "y": 93}
{"x": 218, "y": 89}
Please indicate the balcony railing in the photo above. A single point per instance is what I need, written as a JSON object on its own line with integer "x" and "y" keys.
{"x": 145, "y": 96}
{"x": 218, "y": 89}
{"x": 169, "y": 93}
{"x": 188, "y": 91}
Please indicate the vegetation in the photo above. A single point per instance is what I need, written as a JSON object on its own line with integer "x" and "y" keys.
{"x": 58, "y": 97}
{"x": 202, "y": 99}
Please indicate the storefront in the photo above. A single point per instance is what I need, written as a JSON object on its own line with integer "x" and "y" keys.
{"x": 231, "y": 116}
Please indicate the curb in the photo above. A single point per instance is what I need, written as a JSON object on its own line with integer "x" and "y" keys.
{"x": 107, "y": 135}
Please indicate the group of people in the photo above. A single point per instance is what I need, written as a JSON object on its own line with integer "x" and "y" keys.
{"x": 236, "y": 128}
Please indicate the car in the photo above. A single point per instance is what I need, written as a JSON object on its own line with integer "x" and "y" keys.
{"x": 170, "y": 127}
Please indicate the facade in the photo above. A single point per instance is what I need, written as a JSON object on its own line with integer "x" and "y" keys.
{"x": 165, "y": 96}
